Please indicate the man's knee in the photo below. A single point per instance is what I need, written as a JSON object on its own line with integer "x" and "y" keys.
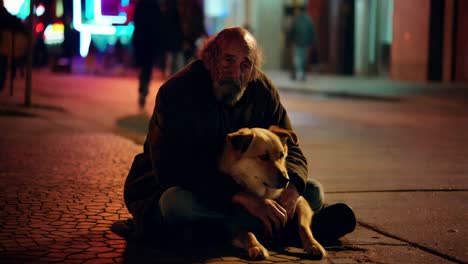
{"x": 314, "y": 194}
{"x": 175, "y": 205}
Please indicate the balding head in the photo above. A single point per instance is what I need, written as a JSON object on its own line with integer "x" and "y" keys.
{"x": 233, "y": 58}
{"x": 211, "y": 51}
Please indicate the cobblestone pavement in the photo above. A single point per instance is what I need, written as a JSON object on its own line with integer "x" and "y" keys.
{"x": 61, "y": 189}
{"x": 61, "y": 178}
{"x": 60, "y": 192}
{"x": 58, "y": 198}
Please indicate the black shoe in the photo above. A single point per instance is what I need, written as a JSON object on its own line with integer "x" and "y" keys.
{"x": 142, "y": 101}
{"x": 124, "y": 228}
{"x": 333, "y": 222}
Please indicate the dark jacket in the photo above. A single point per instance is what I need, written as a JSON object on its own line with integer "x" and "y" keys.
{"x": 302, "y": 32}
{"x": 186, "y": 137}
{"x": 146, "y": 38}
{"x": 171, "y": 30}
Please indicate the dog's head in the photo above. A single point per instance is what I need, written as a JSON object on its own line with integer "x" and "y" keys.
{"x": 256, "y": 159}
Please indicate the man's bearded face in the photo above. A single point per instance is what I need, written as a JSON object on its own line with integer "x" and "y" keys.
{"x": 229, "y": 91}
{"x": 233, "y": 72}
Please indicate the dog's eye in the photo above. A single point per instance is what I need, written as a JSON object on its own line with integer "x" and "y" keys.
{"x": 281, "y": 155}
{"x": 264, "y": 157}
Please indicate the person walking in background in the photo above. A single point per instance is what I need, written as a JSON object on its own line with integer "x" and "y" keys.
{"x": 10, "y": 27}
{"x": 146, "y": 42}
{"x": 193, "y": 27}
{"x": 171, "y": 36}
{"x": 302, "y": 35}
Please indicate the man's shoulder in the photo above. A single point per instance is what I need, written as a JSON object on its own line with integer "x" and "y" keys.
{"x": 185, "y": 84}
{"x": 264, "y": 85}
{"x": 186, "y": 80}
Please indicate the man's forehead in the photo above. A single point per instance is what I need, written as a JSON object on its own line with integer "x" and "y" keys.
{"x": 235, "y": 48}
{"x": 232, "y": 42}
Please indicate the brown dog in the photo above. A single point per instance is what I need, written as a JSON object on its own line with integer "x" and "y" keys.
{"x": 256, "y": 159}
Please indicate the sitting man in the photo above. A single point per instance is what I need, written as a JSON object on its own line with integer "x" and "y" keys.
{"x": 175, "y": 181}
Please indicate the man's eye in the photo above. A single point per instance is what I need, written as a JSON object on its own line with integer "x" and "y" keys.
{"x": 245, "y": 66}
{"x": 264, "y": 157}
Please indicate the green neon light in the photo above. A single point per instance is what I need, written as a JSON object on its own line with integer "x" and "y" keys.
{"x": 89, "y": 10}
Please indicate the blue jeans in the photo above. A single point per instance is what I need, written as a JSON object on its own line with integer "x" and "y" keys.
{"x": 300, "y": 61}
{"x": 178, "y": 206}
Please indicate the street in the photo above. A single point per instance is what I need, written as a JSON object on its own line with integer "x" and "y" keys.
{"x": 400, "y": 162}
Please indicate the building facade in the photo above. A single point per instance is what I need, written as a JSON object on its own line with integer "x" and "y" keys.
{"x": 417, "y": 40}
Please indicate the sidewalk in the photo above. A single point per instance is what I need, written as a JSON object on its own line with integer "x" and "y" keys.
{"x": 366, "y": 87}
{"x": 61, "y": 180}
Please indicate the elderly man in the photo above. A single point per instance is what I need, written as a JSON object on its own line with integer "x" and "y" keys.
{"x": 175, "y": 181}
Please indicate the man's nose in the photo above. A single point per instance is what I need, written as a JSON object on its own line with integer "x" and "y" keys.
{"x": 233, "y": 71}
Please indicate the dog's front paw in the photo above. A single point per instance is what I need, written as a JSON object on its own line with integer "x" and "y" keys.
{"x": 258, "y": 252}
{"x": 315, "y": 250}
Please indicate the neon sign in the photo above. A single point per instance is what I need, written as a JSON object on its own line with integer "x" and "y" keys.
{"x": 95, "y": 22}
{"x": 19, "y": 8}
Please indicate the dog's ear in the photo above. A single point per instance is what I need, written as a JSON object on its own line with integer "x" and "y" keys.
{"x": 284, "y": 134}
{"x": 241, "y": 139}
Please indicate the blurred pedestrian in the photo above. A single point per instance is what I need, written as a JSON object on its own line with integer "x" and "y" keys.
{"x": 40, "y": 53}
{"x": 146, "y": 43}
{"x": 69, "y": 43}
{"x": 193, "y": 27}
{"x": 12, "y": 30}
{"x": 302, "y": 35}
{"x": 171, "y": 36}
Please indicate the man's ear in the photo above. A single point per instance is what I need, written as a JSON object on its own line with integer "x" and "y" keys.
{"x": 284, "y": 134}
{"x": 241, "y": 139}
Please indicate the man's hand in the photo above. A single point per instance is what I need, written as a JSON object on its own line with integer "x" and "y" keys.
{"x": 272, "y": 215}
{"x": 288, "y": 199}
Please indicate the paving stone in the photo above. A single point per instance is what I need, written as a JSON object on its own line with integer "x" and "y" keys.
{"x": 99, "y": 261}
{"x": 99, "y": 249}
{"x": 226, "y": 262}
{"x": 277, "y": 258}
{"x": 211, "y": 260}
{"x": 308, "y": 261}
{"x": 109, "y": 255}
{"x": 231, "y": 259}
{"x": 58, "y": 255}
{"x": 50, "y": 259}
{"x": 343, "y": 261}
{"x": 73, "y": 250}
{"x": 73, "y": 261}
{"x": 81, "y": 246}
{"x": 119, "y": 246}
{"x": 82, "y": 256}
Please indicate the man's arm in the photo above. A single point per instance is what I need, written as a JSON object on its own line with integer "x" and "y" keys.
{"x": 296, "y": 162}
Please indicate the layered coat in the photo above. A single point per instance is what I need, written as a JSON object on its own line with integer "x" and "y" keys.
{"x": 186, "y": 136}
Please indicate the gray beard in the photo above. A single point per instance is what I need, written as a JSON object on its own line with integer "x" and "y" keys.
{"x": 228, "y": 92}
